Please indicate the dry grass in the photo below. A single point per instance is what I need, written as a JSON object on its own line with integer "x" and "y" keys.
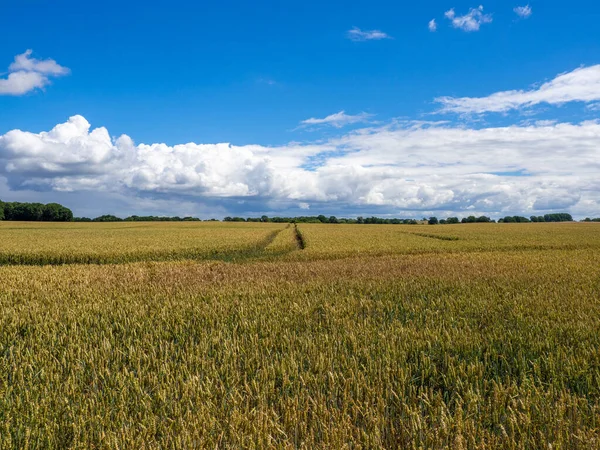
{"x": 454, "y": 347}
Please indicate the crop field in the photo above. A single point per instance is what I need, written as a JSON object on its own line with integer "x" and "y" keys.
{"x": 100, "y": 243}
{"x": 219, "y": 335}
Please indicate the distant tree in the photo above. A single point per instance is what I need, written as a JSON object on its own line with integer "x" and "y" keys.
{"x": 452, "y": 220}
{"x": 483, "y": 219}
{"x": 53, "y": 212}
{"x": 1, "y": 210}
{"x": 514, "y": 219}
{"x": 264, "y": 218}
{"x": 107, "y": 218}
{"x": 360, "y": 220}
{"x": 432, "y": 221}
{"x": 333, "y": 219}
{"x": 558, "y": 217}
{"x": 443, "y": 222}
{"x": 35, "y": 212}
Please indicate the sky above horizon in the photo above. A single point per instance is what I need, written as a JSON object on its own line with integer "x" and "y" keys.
{"x": 338, "y": 108}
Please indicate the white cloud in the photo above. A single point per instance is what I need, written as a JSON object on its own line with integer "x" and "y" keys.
{"x": 394, "y": 169}
{"x": 471, "y": 21}
{"x": 356, "y": 34}
{"x": 582, "y": 85}
{"x": 432, "y": 25}
{"x": 24, "y": 62}
{"x": 594, "y": 106}
{"x": 523, "y": 11}
{"x": 337, "y": 120}
{"x": 27, "y": 74}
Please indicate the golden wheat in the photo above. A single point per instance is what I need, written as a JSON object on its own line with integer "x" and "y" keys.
{"x": 488, "y": 341}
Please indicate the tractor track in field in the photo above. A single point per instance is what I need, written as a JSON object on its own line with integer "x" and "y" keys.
{"x": 300, "y": 242}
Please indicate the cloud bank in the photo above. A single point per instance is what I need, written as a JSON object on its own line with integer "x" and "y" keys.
{"x": 403, "y": 169}
{"x": 26, "y": 74}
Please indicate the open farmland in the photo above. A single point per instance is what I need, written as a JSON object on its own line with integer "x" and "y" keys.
{"x": 214, "y": 335}
{"x": 101, "y": 243}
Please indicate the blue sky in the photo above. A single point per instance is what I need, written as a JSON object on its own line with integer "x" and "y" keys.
{"x": 254, "y": 74}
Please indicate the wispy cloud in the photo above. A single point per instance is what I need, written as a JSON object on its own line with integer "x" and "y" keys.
{"x": 580, "y": 85}
{"x": 594, "y": 106}
{"x": 26, "y": 74}
{"x": 267, "y": 81}
{"x": 523, "y": 11}
{"x": 432, "y": 25}
{"x": 337, "y": 120}
{"x": 356, "y": 34}
{"x": 471, "y": 21}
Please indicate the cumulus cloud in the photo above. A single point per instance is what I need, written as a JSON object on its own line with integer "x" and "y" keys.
{"x": 26, "y": 74}
{"x": 396, "y": 168}
{"x": 523, "y": 11}
{"x": 581, "y": 85}
{"x": 471, "y": 21}
{"x": 356, "y": 34}
{"x": 337, "y": 120}
{"x": 432, "y": 25}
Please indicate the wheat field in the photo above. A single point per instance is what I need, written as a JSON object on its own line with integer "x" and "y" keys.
{"x": 213, "y": 335}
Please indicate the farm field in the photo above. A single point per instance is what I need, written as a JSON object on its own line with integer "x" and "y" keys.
{"x": 219, "y": 335}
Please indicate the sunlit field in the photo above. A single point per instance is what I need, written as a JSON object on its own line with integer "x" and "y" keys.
{"x": 63, "y": 243}
{"x": 215, "y": 335}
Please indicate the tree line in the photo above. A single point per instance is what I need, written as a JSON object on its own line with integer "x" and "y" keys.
{"x": 54, "y": 212}
{"x": 557, "y": 217}
{"x": 51, "y": 212}
{"x": 323, "y": 219}
{"x": 111, "y": 218}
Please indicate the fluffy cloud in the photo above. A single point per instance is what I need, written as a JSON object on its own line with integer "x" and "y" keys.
{"x": 356, "y": 34}
{"x": 27, "y": 74}
{"x": 582, "y": 85}
{"x": 399, "y": 168}
{"x": 471, "y": 21}
{"x": 337, "y": 120}
{"x": 432, "y": 25}
{"x": 523, "y": 11}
